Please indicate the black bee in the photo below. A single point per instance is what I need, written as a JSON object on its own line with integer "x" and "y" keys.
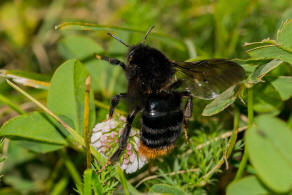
{"x": 153, "y": 89}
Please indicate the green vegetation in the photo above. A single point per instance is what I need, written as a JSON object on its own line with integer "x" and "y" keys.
{"x": 240, "y": 143}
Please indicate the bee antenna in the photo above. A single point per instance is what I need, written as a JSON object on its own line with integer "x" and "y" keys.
{"x": 118, "y": 39}
{"x": 148, "y": 32}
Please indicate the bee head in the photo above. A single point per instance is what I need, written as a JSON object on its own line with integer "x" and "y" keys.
{"x": 136, "y": 50}
{"x": 143, "y": 54}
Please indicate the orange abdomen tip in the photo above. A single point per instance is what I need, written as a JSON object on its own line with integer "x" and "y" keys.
{"x": 151, "y": 153}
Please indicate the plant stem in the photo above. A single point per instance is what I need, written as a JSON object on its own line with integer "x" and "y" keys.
{"x": 86, "y": 122}
{"x": 250, "y": 122}
{"x": 235, "y": 131}
{"x": 167, "y": 174}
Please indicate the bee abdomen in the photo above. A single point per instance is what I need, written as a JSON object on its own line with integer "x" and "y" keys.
{"x": 161, "y": 130}
{"x": 161, "y": 124}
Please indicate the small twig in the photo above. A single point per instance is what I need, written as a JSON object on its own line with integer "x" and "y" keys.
{"x": 143, "y": 174}
{"x": 167, "y": 174}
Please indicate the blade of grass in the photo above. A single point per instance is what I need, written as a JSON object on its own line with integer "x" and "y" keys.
{"x": 96, "y": 27}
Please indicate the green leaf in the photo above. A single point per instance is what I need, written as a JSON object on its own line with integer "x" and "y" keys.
{"x": 97, "y": 186}
{"x": 284, "y": 35}
{"x": 270, "y": 52}
{"x": 78, "y": 46}
{"x": 250, "y": 64}
{"x": 87, "y": 182}
{"x": 248, "y": 185}
{"x": 106, "y": 78}
{"x": 262, "y": 70}
{"x": 167, "y": 189}
{"x": 34, "y": 126}
{"x": 283, "y": 84}
{"x": 220, "y": 103}
{"x": 269, "y": 148}
{"x": 67, "y": 92}
{"x": 266, "y": 99}
{"x": 39, "y": 147}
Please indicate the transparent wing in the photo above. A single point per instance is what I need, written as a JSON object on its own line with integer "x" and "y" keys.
{"x": 208, "y": 78}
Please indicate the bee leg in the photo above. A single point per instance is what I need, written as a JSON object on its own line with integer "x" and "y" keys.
{"x": 114, "y": 102}
{"x": 112, "y": 61}
{"x": 187, "y": 112}
{"x": 185, "y": 124}
{"x": 123, "y": 140}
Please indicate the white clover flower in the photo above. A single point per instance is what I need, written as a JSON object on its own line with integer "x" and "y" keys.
{"x": 105, "y": 139}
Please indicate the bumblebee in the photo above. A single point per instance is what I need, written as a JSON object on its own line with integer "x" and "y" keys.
{"x": 154, "y": 90}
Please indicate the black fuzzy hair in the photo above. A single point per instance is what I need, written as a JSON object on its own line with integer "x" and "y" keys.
{"x": 148, "y": 68}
